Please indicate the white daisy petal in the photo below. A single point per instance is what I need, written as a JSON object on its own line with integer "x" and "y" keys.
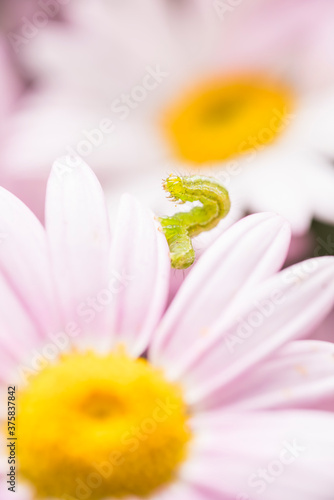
{"x": 278, "y": 455}
{"x": 25, "y": 262}
{"x": 286, "y": 307}
{"x": 78, "y": 231}
{"x": 140, "y": 257}
{"x": 301, "y": 374}
{"x": 243, "y": 256}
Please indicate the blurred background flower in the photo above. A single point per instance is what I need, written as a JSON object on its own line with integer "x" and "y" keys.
{"x": 242, "y": 90}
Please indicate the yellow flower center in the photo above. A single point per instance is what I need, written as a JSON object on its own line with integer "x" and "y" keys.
{"x": 95, "y": 426}
{"x": 224, "y": 118}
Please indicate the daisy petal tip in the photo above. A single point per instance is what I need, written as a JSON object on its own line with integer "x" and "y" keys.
{"x": 66, "y": 165}
{"x": 283, "y": 228}
{"x": 281, "y": 223}
{"x": 128, "y": 199}
{"x": 273, "y": 217}
{"x": 325, "y": 261}
{"x": 272, "y": 225}
{"x": 132, "y": 204}
{"x": 129, "y": 209}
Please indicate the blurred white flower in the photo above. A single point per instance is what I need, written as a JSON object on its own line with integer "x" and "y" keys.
{"x": 113, "y": 81}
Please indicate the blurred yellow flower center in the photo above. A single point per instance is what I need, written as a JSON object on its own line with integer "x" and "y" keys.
{"x": 224, "y": 118}
{"x": 96, "y": 427}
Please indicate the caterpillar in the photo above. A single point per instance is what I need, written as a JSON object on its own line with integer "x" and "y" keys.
{"x": 182, "y": 226}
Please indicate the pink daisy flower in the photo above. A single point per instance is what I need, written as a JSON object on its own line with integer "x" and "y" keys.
{"x": 225, "y": 404}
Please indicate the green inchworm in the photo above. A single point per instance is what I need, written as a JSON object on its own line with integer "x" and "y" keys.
{"x": 181, "y": 227}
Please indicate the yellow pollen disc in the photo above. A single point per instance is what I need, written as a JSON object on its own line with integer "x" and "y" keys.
{"x": 224, "y": 118}
{"x": 97, "y": 427}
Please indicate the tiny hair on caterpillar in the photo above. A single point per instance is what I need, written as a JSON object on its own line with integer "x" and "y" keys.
{"x": 182, "y": 226}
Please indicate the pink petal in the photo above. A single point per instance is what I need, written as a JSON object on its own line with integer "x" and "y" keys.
{"x": 295, "y": 448}
{"x": 18, "y": 332}
{"x": 78, "y": 229}
{"x": 245, "y": 254}
{"x": 301, "y": 374}
{"x": 140, "y": 256}
{"x": 287, "y": 307}
{"x": 25, "y": 264}
{"x": 325, "y": 331}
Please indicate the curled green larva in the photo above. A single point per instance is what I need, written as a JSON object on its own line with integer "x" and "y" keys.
{"x": 182, "y": 226}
